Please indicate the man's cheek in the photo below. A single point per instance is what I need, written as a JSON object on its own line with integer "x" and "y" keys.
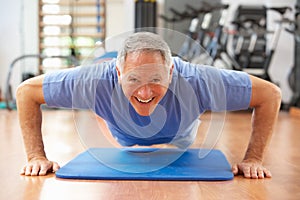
{"x": 128, "y": 92}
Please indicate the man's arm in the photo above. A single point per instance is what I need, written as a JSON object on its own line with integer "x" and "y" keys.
{"x": 29, "y": 98}
{"x": 266, "y": 100}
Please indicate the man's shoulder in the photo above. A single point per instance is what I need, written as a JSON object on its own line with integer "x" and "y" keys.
{"x": 98, "y": 70}
{"x": 185, "y": 68}
{"x": 105, "y": 70}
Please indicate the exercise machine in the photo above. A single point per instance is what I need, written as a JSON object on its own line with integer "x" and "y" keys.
{"x": 252, "y": 51}
{"x": 204, "y": 28}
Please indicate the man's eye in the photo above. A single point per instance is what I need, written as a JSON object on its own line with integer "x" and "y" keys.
{"x": 133, "y": 80}
{"x": 155, "y": 80}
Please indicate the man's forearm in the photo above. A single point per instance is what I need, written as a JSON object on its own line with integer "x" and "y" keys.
{"x": 263, "y": 123}
{"x": 32, "y": 136}
{"x": 30, "y": 118}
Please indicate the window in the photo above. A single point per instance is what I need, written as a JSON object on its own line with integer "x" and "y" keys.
{"x": 69, "y": 28}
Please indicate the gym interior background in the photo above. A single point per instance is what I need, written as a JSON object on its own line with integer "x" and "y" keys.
{"x": 21, "y": 24}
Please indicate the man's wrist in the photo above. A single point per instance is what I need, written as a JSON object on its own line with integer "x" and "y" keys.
{"x": 39, "y": 156}
{"x": 253, "y": 157}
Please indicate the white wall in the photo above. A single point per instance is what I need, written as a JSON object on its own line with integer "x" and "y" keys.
{"x": 18, "y": 28}
{"x": 119, "y": 16}
{"x": 10, "y": 35}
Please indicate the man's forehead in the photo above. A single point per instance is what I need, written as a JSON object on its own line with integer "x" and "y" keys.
{"x": 138, "y": 58}
{"x": 147, "y": 68}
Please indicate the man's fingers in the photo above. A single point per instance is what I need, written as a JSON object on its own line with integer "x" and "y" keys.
{"x": 31, "y": 170}
{"x": 260, "y": 173}
{"x": 234, "y": 169}
{"x": 253, "y": 171}
{"x": 267, "y": 173}
{"x": 22, "y": 172}
{"x": 247, "y": 172}
{"x": 55, "y": 166}
{"x": 44, "y": 170}
{"x": 35, "y": 170}
{"x": 28, "y": 170}
{"x": 52, "y": 167}
{"x": 40, "y": 168}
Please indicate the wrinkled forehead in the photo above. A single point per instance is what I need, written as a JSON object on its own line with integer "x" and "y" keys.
{"x": 147, "y": 70}
{"x": 139, "y": 58}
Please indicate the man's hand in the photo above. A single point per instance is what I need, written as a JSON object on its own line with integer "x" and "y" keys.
{"x": 251, "y": 169}
{"x": 39, "y": 167}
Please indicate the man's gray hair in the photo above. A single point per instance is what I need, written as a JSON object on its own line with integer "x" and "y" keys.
{"x": 144, "y": 41}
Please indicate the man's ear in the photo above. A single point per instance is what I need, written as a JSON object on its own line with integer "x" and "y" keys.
{"x": 119, "y": 74}
{"x": 171, "y": 73}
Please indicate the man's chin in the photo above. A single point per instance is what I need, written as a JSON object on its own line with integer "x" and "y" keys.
{"x": 145, "y": 111}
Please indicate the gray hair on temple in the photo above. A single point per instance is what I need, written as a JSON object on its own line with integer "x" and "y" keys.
{"x": 144, "y": 41}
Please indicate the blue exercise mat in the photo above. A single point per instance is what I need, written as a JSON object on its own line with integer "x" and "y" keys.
{"x": 188, "y": 167}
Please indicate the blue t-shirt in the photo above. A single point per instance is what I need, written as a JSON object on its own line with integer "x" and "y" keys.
{"x": 193, "y": 90}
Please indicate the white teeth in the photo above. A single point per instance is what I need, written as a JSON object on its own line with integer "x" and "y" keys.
{"x": 144, "y": 101}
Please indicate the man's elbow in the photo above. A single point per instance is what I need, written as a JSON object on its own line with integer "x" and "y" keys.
{"x": 276, "y": 94}
{"x": 23, "y": 93}
{"x": 271, "y": 97}
{"x": 29, "y": 92}
{"x": 264, "y": 94}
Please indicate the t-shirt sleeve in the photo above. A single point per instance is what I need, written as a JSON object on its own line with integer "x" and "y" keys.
{"x": 217, "y": 89}
{"x": 238, "y": 87}
{"x": 80, "y": 87}
{"x": 220, "y": 90}
{"x": 58, "y": 88}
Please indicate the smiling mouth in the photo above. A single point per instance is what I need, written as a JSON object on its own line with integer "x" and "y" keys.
{"x": 143, "y": 100}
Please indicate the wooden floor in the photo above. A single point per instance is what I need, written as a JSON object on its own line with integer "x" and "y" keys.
{"x": 62, "y": 144}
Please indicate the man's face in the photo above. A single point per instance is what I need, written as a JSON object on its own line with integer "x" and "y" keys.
{"x": 145, "y": 80}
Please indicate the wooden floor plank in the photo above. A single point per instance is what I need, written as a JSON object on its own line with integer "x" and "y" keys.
{"x": 294, "y": 111}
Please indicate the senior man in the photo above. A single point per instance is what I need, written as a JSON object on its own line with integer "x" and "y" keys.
{"x": 148, "y": 97}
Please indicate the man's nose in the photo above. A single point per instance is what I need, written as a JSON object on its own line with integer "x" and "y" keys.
{"x": 145, "y": 91}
